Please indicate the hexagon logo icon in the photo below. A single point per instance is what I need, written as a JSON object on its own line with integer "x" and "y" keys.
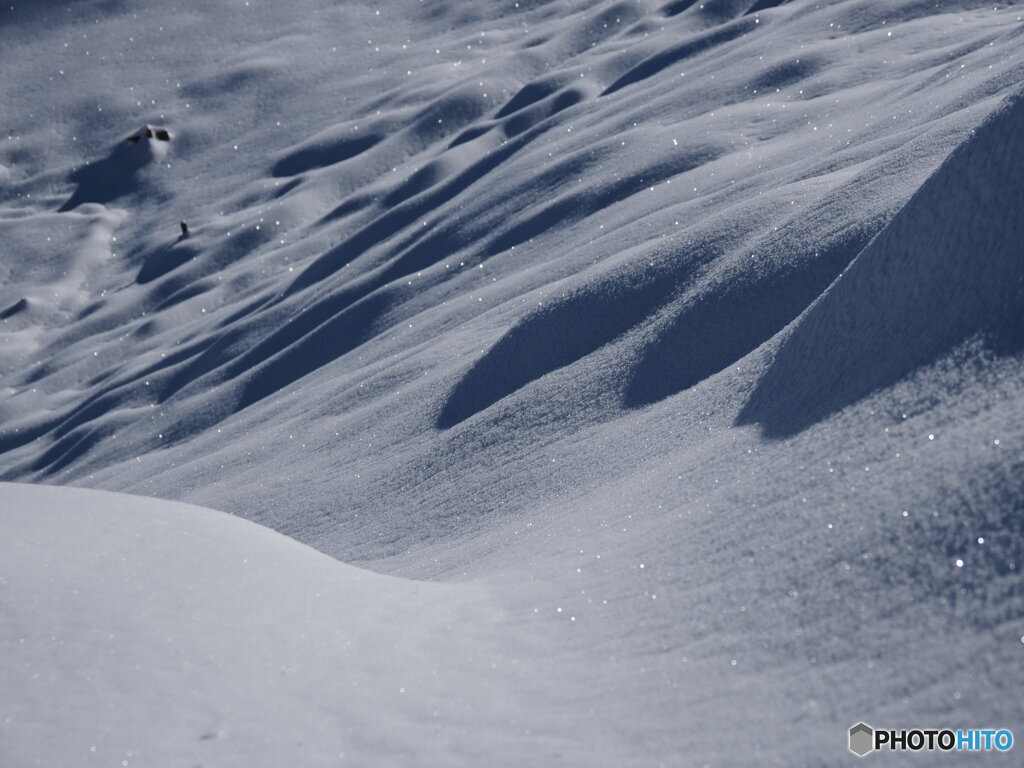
{"x": 862, "y": 739}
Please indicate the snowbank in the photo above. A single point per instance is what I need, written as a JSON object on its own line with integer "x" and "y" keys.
{"x": 144, "y": 632}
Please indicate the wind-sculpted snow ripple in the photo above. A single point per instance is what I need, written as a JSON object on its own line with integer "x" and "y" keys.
{"x": 694, "y": 46}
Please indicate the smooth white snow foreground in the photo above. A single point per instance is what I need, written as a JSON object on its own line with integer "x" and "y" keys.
{"x": 144, "y": 632}
{"x": 138, "y": 631}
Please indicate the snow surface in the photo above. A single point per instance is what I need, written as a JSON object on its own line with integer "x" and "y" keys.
{"x": 159, "y": 633}
{"x": 671, "y": 353}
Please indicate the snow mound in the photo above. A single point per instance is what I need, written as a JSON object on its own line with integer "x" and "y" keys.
{"x": 121, "y": 172}
{"x": 139, "y": 631}
{"x": 946, "y": 270}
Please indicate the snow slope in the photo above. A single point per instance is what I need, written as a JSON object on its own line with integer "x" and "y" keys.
{"x": 688, "y": 333}
{"x": 158, "y": 633}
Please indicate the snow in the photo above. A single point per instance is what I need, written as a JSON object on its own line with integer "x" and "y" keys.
{"x": 159, "y": 633}
{"x": 662, "y": 359}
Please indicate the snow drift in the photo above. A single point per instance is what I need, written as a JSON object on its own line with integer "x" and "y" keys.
{"x": 138, "y": 631}
{"x": 945, "y": 271}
